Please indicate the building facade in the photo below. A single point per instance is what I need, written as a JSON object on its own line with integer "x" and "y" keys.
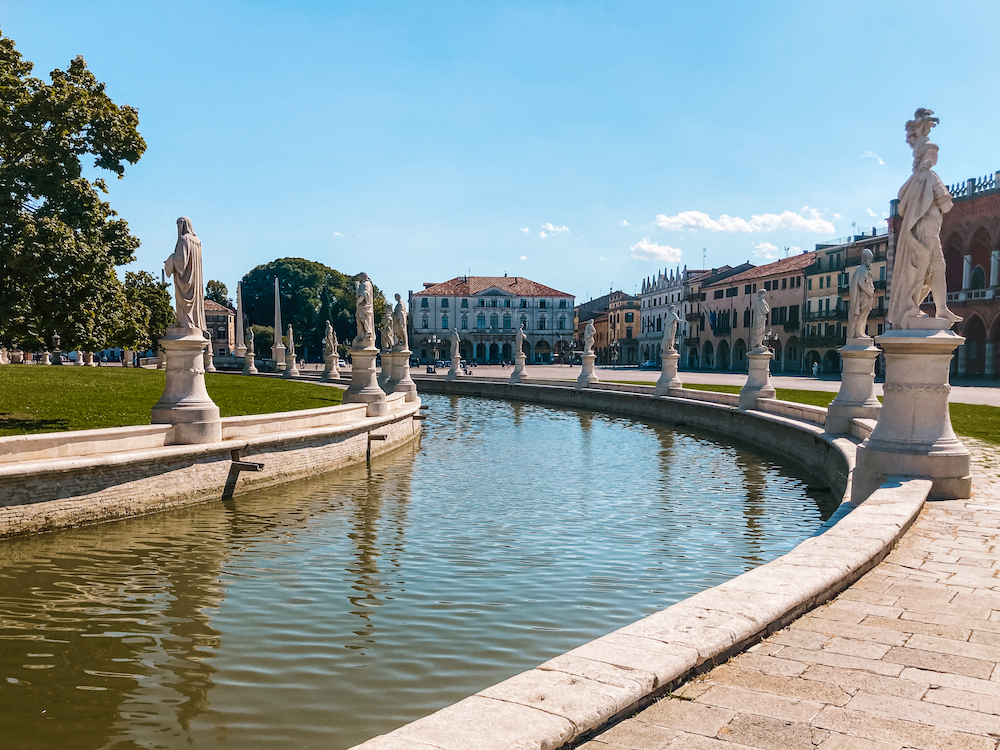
{"x": 221, "y": 322}
{"x": 726, "y": 308}
{"x": 487, "y": 312}
{"x": 698, "y": 322}
{"x": 624, "y": 320}
{"x": 669, "y": 287}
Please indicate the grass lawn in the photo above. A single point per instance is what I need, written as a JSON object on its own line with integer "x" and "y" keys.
{"x": 46, "y": 399}
{"x": 972, "y": 420}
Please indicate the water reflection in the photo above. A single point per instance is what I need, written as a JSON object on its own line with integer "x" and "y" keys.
{"x": 323, "y": 613}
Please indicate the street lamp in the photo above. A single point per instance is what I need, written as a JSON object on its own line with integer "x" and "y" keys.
{"x": 434, "y": 340}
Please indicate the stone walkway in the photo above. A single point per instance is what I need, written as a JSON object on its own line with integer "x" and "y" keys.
{"x": 907, "y": 657}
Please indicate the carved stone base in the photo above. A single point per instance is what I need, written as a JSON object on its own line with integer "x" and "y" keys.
{"x": 914, "y": 437}
{"x": 209, "y": 359}
{"x": 240, "y": 351}
{"x": 79, "y": 358}
{"x": 185, "y": 403}
{"x": 385, "y": 373}
{"x": 278, "y": 355}
{"x": 758, "y": 380}
{"x": 518, "y": 375}
{"x": 161, "y": 359}
{"x": 88, "y": 360}
{"x": 587, "y": 375}
{"x": 668, "y": 374}
{"x": 364, "y": 387}
{"x": 46, "y": 359}
{"x": 399, "y": 374}
{"x": 249, "y": 366}
{"x": 856, "y": 398}
{"x": 57, "y": 357}
{"x": 291, "y": 369}
{"x": 330, "y": 369}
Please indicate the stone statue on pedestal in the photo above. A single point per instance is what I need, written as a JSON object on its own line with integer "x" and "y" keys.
{"x": 184, "y": 264}
{"x": 329, "y": 341}
{"x": 862, "y": 289}
{"x": 670, "y": 321}
{"x": 399, "y": 325}
{"x": 365, "y": 312}
{"x": 588, "y": 338}
{"x": 291, "y": 342}
{"x": 758, "y": 323}
{"x": 249, "y": 341}
{"x": 918, "y": 266}
{"x": 455, "y": 345}
{"x": 388, "y": 334}
{"x": 519, "y": 342}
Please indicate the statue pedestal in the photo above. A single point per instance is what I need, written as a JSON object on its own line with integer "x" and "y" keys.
{"x": 17, "y": 357}
{"x": 185, "y": 403}
{"x": 518, "y": 374}
{"x": 758, "y": 380}
{"x": 330, "y": 369}
{"x": 453, "y": 371}
{"x": 668, "y": 373}
{"x": 587, "y": 375}
{"x": 386, "y": 373}
{"x": 364, "y": 383}
{"x": 856, "y": 398}
{"x": 249, "y": 366}
{"x": 399, "y": 374}
{"x": 240, "y": 351}
{"x": 914, "y": 437}
{"x": 278, "y": 355}
{"x": 209, "y": 359}
{"x": 79, "y": 358}
{"x": 291, "y": 369}
{"x": 57, "y": 357}
{"x": 88, "y": 360}
{"x": 46, "y": 359}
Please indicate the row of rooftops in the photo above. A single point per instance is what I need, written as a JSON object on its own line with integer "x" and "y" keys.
{"x": 470, "y": 286}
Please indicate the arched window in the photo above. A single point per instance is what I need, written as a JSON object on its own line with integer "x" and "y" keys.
{"x": 541, "y": 323}
{"x": 506, "y": 322}
{"x": 494, "y": 321}
{"x": 659, "y": 323}
{"x": 444, "y": 321}
{"x": 978, "y": 280}
{"x": 524, "y": 321}
{"x": 481, "y": 322}
{"x": 424, "y": 321}
{"x": 465, "y": 322}
{"x": 561, "y": 324}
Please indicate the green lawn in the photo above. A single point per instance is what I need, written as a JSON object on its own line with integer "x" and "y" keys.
{"x": 972, "y": 420}
{"x": 46, "y": 399}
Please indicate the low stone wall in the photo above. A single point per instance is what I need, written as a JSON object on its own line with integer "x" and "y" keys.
{"x": 569, "y": 698}
{"x": 71, "y": 490}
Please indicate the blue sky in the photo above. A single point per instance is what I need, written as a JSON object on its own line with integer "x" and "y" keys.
{"x": 583, "y": 145}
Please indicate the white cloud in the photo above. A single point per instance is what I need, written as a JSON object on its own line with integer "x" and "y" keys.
{"x": 524, "y": 229}
{"x": 554, "y": 229}
{"x": 838, "y": 217}
{"x": 793, "y": 250}
{"x": 873, "y": 155}
{"x": 766, "y": 251}
{"x": 524, "y": 257}
{"x": 870, "y": 212}
{"x": 646, "y": 249}
{"x": 602, "y": 258}
{"x": 542, "y": 234}
{"x": 624, "y": 222}
{"x": 337, "y": 234}
{"x": 807, "y": 220}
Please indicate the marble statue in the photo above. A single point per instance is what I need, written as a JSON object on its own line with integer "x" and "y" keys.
{"x": 291, "y": 341}
{"x": 329, "y": 341}
{"x": 758, "y": 323}
{"x": 189, "y": 290}
{"x": 249, "y": 341}
{"x": 670, "y": 322}
{"x": 365, "y": 313}
{"x": 918, "y": 266}
{"x": 388, "y": 334}
{"x": 455, "y": 345}
{"x": 399, "y": 325}
{"x": 862, "y": 288}
{"x": 588, "y": 338}
{"x": 519, "y": 342}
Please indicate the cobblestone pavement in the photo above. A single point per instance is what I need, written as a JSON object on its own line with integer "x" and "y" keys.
{"x": 907, "y": 657}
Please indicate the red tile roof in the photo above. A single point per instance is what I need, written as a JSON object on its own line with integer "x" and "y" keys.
{"x": 467, "y": 286}
{"x": 211, "y": 306}
{"x": 794, "y": 264}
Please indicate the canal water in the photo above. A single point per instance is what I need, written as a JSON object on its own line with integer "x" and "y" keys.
{"x": 319, "y": 614}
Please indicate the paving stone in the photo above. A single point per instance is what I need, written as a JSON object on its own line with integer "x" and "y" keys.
{"x": 958, "y": 648}
{"x": 907, "y": 733}
{"x": 957, "y": 681}
{"x": 869, "y": 597}
{"x": 922, "y": 712}
{"x": 801, "y": 638}
{"x": 985, "y": 638}
{"x": 832, "y": 659}
{"x": 772, "y": 665}
{"x": 687, "y": 716}
{"x": 844, "y": 742}
{"x": 771, "y": 734}
{"x": 925, "y": 592}
{"x": 853, "y": 680}
{"x": 864, "y": 632}
{"x": 912, "y": 626}
{"x": 953, "y": 620}
{"x": 908, "y": 604}
{"x": 638, "y": 735}
{"x": 946, "y": 696}
{"x": 686, "y": 741}
{"x": 761, "y": 704}
{"x": 853, "y": 647}
{"x": 733, "y": 673}
{"x": 940, "y": 662}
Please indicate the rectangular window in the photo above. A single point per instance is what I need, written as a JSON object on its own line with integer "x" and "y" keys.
{"x": 482, "y": 303}
{"x": 423, "y": 302}
{"x": 444, "y": 302}
{"x": 784, "y": 283}
{"x": 628, "y": 332}
{"x": 541, "y": 303}
{"x": 746, "y": 318}
{"x": 732, "y": 291}
{"x": 524, "y": 303}
{"x": 465, "y": 303}
{"x": 810, "y": 285}
{"x": 629, "y": 318}
{"x": 746, "y": 289}
{"x": 562, "y": 304}
{"x": 506, "y": 303}
{"x": 719, "y": 293}
{"x": 444, "y": 321}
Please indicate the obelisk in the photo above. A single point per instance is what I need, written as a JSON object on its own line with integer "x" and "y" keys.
{"x": 241, "y": 347}
{"x": 277, "y": 349}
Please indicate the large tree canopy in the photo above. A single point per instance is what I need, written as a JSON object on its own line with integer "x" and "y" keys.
{"x": 59, "y": 242}
{"x": 311, "y": 294}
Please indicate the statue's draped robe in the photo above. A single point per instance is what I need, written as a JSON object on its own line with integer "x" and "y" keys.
{"x": 189, "y": 289}
{"x": 399, "y": 326}
{"x": 758, "y": 323}
{"x": 910, "y": 282}
{"x": 365, "y": 314}
{"x": 669, "y": 332}
{"x": 862, "y": 299}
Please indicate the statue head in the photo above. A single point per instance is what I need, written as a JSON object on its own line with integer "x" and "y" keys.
{"x": 398, "y": 297}
{"x": 184, "y": 226}
{"x": 866, "y": 257}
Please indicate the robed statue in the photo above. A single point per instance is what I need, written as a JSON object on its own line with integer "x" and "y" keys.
{"x": 291, "y": 342}
{"x": 588, "y": 338}
{"x": 365, "y": 312}
{"x": 329, "y": 341}
{"x": 189, "y": 289}
{"x": 759, "y": 313}
{"x": 670, "y": 321}
{"x": 399, "y": 325}
{"x": 455, "y": 344}
{"x": 388, "y": 335}
{"x": 862, "y": 296}
{"x": 249, "y": 341}
{"x": 519, "y": 342}
{"x": 918, "y": 266}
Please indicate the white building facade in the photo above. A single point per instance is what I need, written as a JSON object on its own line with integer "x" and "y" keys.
{"x": 669, "y": 287}
{"x": 487, "y": 312}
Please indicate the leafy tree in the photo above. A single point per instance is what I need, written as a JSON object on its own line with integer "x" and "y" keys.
{"x": 263, "y": 340}
{"x": 59, "y": 241}
{"x": 152, "y": 299}
{"x": 218, "y": 292}
{"x": 311, "y": 294}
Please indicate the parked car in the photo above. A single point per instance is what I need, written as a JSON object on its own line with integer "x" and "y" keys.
{"x": 341, "y": 363}
{"x": 649, "y": 365}
{"x": 414, "y": 361}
